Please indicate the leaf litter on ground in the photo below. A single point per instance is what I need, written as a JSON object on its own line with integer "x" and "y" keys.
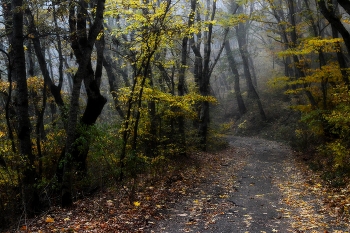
{"x": 312, "y": 206}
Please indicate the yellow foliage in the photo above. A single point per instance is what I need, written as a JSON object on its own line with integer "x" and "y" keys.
{"x": 35, "y": 83}
{"x": 171, "y": 106}
{"x": 231, "y": 20}
{"x": 313, "y": 45}
{"x": 278, "y": 82}
{"x": 4, "y": 86}
{"x": 154, "y": 27}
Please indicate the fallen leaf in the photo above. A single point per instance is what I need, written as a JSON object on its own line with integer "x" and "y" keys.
{"x": 49, "y": 220}
{"x": 182, "y": 215}
{"x": 137, "y": 203}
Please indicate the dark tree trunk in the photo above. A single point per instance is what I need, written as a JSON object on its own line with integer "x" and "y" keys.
{"x": 321, "y": 56}
{"x": 242, "y": 43}
{"x": 30, "y": 196}
{"x": 335, "y": 21}
{"x": 340, "y": 56}
{"x": 203, "y": 70}
{"x": 290, "y": 42}
{"x": 181, "y": 85}
{"x": 204, "y": 87}
{"x": 82, "y": 45}
{"x": 293, "y": 42}
{"x": 198, "y": 60}
{"x": 345, "y": 4}
{"x": 9, "y": 108}
{"x": 151, "y": 140}
{"x": 241, "y": 106}
{"x": 55, "y": 90}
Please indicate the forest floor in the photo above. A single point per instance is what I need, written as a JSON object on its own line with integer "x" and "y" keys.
{"x": 254, "y": 186}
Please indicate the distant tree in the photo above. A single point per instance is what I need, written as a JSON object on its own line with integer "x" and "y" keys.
{"x": 233, "y": 66}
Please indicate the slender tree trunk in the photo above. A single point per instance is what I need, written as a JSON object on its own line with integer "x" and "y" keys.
{"x": 241, "y": 31}
{"x": 9, "y": 110}
{"x": 204, "y": 83}
{"x": 181, "y": 84}
{"x": 112, "y": 80}
{"x": 198, "y": 61}
{"x": 254, "y": 76}
{"x": 55, "y": 90}
{"x": 242, "y": 44}
{"x": 7, "y": 107}
{"x": 322, "y": 60}
{"x": 241, "y": 106}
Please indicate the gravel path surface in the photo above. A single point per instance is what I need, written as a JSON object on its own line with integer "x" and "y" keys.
{"x": 241, "y": 196}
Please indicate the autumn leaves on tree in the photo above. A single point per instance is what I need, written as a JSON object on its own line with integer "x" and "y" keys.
{"x": 135, "y": 40}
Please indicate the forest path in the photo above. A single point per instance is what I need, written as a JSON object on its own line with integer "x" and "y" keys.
{"x": 255, "y": 188}
{"x": 252, "y": 186}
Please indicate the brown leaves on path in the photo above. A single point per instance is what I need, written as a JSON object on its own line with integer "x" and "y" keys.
{"x": 112, "y": 210}
{"x": 201, "y": 184}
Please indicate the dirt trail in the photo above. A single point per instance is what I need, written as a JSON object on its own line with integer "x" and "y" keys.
{"x": 247, "y": 194}
{"x": 253, "y": 186}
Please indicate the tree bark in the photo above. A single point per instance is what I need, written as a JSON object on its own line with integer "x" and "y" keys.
{"x": 181, "y": 84}
{"x": 55, "y": 90}
{"x": 345, "y": 4}
{"x": 241, "y": 106}
{"x": 335, "y": 21}
{"x": 204, "y": 87}
{"x": 112, "y": 84}
{"x": 335, "y": 34}
{"x": 242, "y": 43}
{"x": 82, "y": 45}
{"x": 30, "y": 196}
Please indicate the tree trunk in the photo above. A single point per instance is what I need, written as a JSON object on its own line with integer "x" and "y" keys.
{"x": 345, "y": 4}
{"x": 8, "y": 109}
{"x": 340, "y": 56}
{"x": 30, "y": 196}
{"x": 198, "y": 61}
{"x": 335, "y": 21}
{"x": 241, "y": 106}
{"x": 290, "y": 42}
{"x": 242, "y": 43}
{"x": 181, "y": 84}
{"x": 55, "y": 90}
{"x": 112, "y": 80}
{"x": 82, "y": 45}
{"x": 204, "y": 87}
